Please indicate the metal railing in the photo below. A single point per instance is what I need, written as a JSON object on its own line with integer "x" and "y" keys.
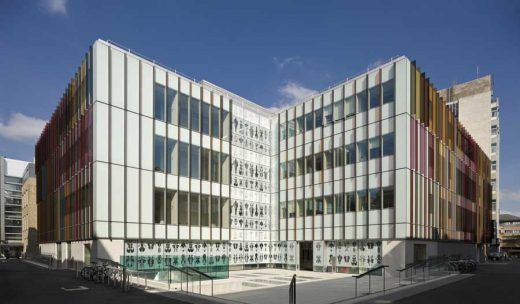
{"x": 181, "y": 273}
{"x": 369, "y": 273}
{"x": 201, "y": 274}
{"x": 412, "y": 268}
{"x": 292, "y": 290}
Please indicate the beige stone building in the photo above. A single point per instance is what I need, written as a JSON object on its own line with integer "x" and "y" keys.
{"x": 29, "y": 212}
{"x": 478, "y": 110}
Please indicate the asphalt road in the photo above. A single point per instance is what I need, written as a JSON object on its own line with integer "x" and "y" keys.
{"x": 492, "y": 283}
{"x": 25, "y": 283}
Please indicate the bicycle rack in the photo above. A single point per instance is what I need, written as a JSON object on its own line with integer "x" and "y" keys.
{"x": 292, "y": 290}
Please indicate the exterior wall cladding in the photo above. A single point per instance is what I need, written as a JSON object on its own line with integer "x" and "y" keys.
{"x": 142, "y": 165}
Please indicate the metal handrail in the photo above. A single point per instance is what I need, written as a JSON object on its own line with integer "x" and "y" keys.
{"x": 202, "y": 274}
{"x": 292, "y": 290}
{"x": 369, "y": 272}
{"x": 181, "y": 271}
{"x": 410, "y": 267}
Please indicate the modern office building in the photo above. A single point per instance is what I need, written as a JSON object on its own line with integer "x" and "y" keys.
{"x": 11, "y": 180}
{"x": 478, "y": 110}
{"x": 29, "y": 212}
{"x": 509, "y": 234}
{"x": 145, "y": 166}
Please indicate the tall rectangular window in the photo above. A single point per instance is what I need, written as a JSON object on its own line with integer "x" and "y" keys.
{"x": 362, "y": 200}
{"x": 494, "y": 165}
{"x": 328, "y": 115}
{"x": 388, "y": 197}
{"x": 184, "y": 111}
{"x": 215, "y": 166}
{"x": 291, "y": 168}
{"x": 375, "y": 148}
{"x": 309, "y": 121}
{"x": 291, "y": 209}
{"x": 494, "y": 148}
{"x": 339, "y": 203}
{"x": 158, "y": 102}
{"x": 310, "y": 207}
{"x": 362, "y": 151}
{"x": 300, "y": 125}
{"x": 350, "y": 154}
{"x": 291, "y": 128}
{"x": 215, "y": 215}
{"x": 283, "y": 210}
{"x": 318, "y": 118}
{"x": 195, "y": 162}
{"x": 350, "y": 106}
{"x": 494, "y": 111}
{"x": 362, "y": 101}
{"x": 388, "y": 144}
{"x": 300, "y": 205}
{"x": 389, "y": 91}
{"x": 226, "y": 124}
{"x": 184, "y": 156}
{"x": 195, "y": 104}
{"x": 205, "y": 164}
{"x": 183, "y": 208}
{"x": 204, "y": 210}
{"x": 318, "y": 162}
{"x": 224, "y": 211}
{"x": 339, "y": 155}
{"x": 283, "y": 131}
{"x": 300, "y": 166}
{"x": 158, "y": 153}
{"x": 494, "y": 130}
{"x": 215, "y": 122}
{"x": 224, "y": 158}
{"x": 159, "y": 217}
{"x": 171, "y": 106}
{"x": 375, "y": 96}
{"x": 375, "y": 199}
{"x": 329, "y": 160}
{"x": 283, "y": 170}
{"x": 194, "y": 209}
{"x": 329, "y": 204}
{"x": 171, "y": 207}
{"x": 205, "y": 118}
{"x": 309, "y": 164}
{"x": 171, "y": 157}
{"x": 338, "y": 110}
{"x": 319, "y": 205}
{"x": 350, "y": 201}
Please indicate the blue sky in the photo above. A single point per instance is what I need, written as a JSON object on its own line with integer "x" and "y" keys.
{"x": 268, "y": 52}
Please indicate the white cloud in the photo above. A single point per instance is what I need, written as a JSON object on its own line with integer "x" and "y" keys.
{"x": 283, "y": 63}
{"x": 375, "y": 64}
{"x": 510, "y": 195}
{"x": 21, "y": 127}
{"x": 292, "y": 93}
{"x": 55, "y": 6}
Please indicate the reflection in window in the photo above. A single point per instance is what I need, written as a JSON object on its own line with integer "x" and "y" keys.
{"x": 283, "y": 210}
{"x": 362, "y": 151}
{"x": 291, "y": 169}
{"x": 283, "y": 131}
{"x": 158, "y": 153}
{"x": 283, "y": 170}
{"x": 226, "y": 124}
{"x": 309, "y": 164}
{"x": 300, "y": 166}
{"x": 205, "y": 118}
{"x": 205, "y": 164}
{"x": 183, "y": 208}
{"x": 319, "y": 205}
{"x": 339, "y": 155}
{"x": 224, "y": 158}
{"x": 158, "y": 103}
{"x": 350, "y": 154}
{"x": 327, "y": 112}
{"x": 204, "y": 210}
{"x": 171, "y": 207}
{"x": 329, "y": 160}
{"x": 291, "y": 210}
{"x": 300, "y": 125}
{"x": 195, "y": 162}
{"x": 388, "y": 197}
{"x": 159, "y": 206}
{"x": 309, "y": 121}
{"x": 301, "y": 208}
{"x": 375, "y": 151}
{"x": 339, "y": 203}
{"x": 329, "y": 204}
{"x": 195, "y": 104}
{"x": 388, "y": 144}
{"x": 224, "y": 211}
{"x": 171, "y": 106}
{"x": 350, "y": 201}
{"x": 318, "y": 162}
{"x": 362, "y": 101}
{"x": 375, "y": 97}
{"x": 171, "y": 157}
{"x": 291, "y": 128}
{"x": 184, "y": 112}
{"x": 338, "y": 110}
{"x": 184, "y": 152}
{"x": 310, "y": 207}
{"x": 362, "y": 200}
{"x": 350, "y": 106}
{"x": 194, "y": 209}
{"x": 375, "y": 199}
{"x": 215, "y": 166}
{"x": 215, "y": 122}
{"x": 215, "y": 207}
{"x": 318, "y": 118}
{"x": 389, "y": 91}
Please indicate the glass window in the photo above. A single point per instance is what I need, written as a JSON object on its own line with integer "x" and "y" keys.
{"x": 171, "y": 157}
{"x": 350, "y": 201}
{"x": 494, "y": 165}
{"x": 183, "y": 208}
{"x": 362, "y": 101}
{"x": 318, "y": 162}
{"x": 310, "y": 207}
{"x": 350, "y": 106}
{"x": 388, "y": 197}
{"x": 329, "y": 204}
{"x": 215, "y": 207}
{"x": 215, "y": 166}
{"x": 291, "y": 169}
{"x": 375, "y": 96}
{"x": 194, "y": 209}
{"x": 339, "y": 203}
{"x": 158, "y": 102}
{"x": 184, "y": 111}
{"x": 375, "y": 148}
{"x": 158, "y": 153}
{"x": 283, "y": 131}
{"x": 283, "y": 170}
{"x": 301, "y": 208}
{"x": 375, "y": 199}
{"x": 224, "y": 212}
{"x": 300, "y": 167}
{"x": 184, "y": 156}
{"x": 339, "y": 155}
{"x": 224, "y": 158}
{"x": 291, "y": 210}
{"x": 204, "y": 210}
{"x": 215, "y": 122}
{"x": 350, "y": 154}
{"x": 362, "y": 152}
{"x": 171, "y": 106}
{"x": 195, "y": 105}
{"x": 195, "y": 162}
{"x": 494, "y": 112}
{"x": 283, "y": 210}
{"x": 300, "y": 125}
{"x": 493, "y": 148}
{"x": 226, "y": 124}
{"x": 159, "y": 206}
{"x": 494, "y": 130}
{"x": 362, "y": 200}
{"x": 327, "y": 112}
{"x": 318, "y": 118}
{"x": 389, "y": 91}
{"x": 171, "y": 207}
{"x": 319, "y": 205}
{"x": 309, "y": 164}
{"x": 329, "y": 160}
{"x": 338, "y": 110}
{"x": 309, "y": 122}
{"x": 388, "y": 144}
{"x": 205, "y": 164}
{"x": 291, "y": 128}
{"x": 205, "y": 118}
